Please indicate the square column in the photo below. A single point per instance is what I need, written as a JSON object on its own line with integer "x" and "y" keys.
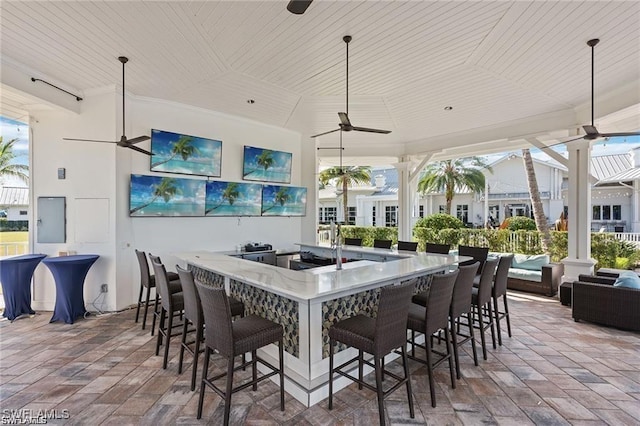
{"x": 404, "y": 201}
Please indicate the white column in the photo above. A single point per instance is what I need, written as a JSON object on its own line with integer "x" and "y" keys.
{"x": 404, "y": 201}
{"x": 579, "y": 260}
{"x": 486, "y": 202}
{"x": 635, "y": 207}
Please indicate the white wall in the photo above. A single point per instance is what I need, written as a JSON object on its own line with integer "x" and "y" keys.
{"x": 103, "y": 171}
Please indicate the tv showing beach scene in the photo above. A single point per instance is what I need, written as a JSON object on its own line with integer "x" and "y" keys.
{"x": 158, "y": 196}
{"x": 266, "y": 165}
{"x": 283, "y": 200}
{"x": 191, "y": 155}
{"x": 233, "y": 199}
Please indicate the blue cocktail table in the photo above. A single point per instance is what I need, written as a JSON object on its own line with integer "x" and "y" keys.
{"x": 69, "y": 273}
{"x": 15, "y": 275}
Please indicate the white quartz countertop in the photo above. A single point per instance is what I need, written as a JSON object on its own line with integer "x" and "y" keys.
{"x": 320, "y": 283}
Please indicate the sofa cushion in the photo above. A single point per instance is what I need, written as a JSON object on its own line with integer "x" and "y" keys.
{"x": 525, "y": 274}
{"x": 628, "y": 281}
{"x": 533, "y": 262}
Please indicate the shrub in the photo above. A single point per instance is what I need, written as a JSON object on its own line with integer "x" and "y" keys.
{"x": 517, "y": 223}
{"x": 370, "y": 233}
{"x": 439, "y": 221}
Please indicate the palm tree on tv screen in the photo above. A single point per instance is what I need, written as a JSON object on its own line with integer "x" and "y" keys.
{"x": 265, "y": 159}
{"x": 282, "y": 196}
{"x": 183, "y": 148}
{"x": 166, "y": 190}
{"x": 231, "y": 193}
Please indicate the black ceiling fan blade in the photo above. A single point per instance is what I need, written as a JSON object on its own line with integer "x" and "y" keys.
{"x": 563, "y": 142}
{"x": 138, "y": 139}
{"x": 369, "y": 130}
{"x": 298, "y": 7}
{"x": 325, "y": 133}
{"x": 88, "y": 140}
{"x": 344, "y": 119}
{"x": 618, "y": 135}
{"x": 135, "y": 148}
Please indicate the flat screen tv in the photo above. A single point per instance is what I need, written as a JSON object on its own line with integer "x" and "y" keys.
{"x": 284, "y": 200}
{"x": 266, "y": 165}
{"x": 190, "y": 155}
{"x": 233, "y": 199}
{"x": 158, "y": 196}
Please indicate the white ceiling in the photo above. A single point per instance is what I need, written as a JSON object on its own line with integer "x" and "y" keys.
{"x": 507, "y": 68}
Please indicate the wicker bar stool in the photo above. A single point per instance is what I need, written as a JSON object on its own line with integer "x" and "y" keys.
{"x": 481, "y": 301}
{"x": 148, "y": 281}
{"x": 353, "y": 241}
{"x": 193, "y": 315}
{"x": 431, "y": 319}
{"x": 479, "y": 254}
{"x": 172, "y": 306}
{"x": 378, "y": 337}
{"x": 408, "y": 245}
{"x": 230, "y": 339}
{"x": 385, "y": 244}
{"x": 460, "y": 306}
{"x": 437, "y": 248}
{"x": 498, "y": 290}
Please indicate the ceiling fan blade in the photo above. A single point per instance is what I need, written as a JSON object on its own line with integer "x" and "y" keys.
{"x": 138, "y": 139}
{"x": 88, "y": 140}
{"x": 563, "y": 142}
{"x": 298, "y": 7}
{"x": 366, "y": 129}
{"x": 616, "y": 135}
{"x": 325, "y": 133}
{"x": 344, "y": 119}
{"x": 135, "y": 148}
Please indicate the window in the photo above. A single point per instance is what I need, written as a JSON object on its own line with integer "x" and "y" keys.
{"x": 23, "y": 212}
{"x": 351, "y": 216}
{"x": 596, "y": 215}
{"x": 373, "y": 216}
{"x": 462, "y": 212}
{"x": 327, "y": 214}
{"x": 391, "y": 216}
{"x": 442, "y": 208}
{"x": 605, "y": 212}
{"x": 617, "y": 212}
{"x": 420, "y": 211}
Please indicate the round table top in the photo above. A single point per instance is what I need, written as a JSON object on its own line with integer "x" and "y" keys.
{"x": 23, "y": 258}
{"x": 71, "y": 259}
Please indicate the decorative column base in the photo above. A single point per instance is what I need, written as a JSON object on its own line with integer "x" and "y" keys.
{"x": 575, "y": 267}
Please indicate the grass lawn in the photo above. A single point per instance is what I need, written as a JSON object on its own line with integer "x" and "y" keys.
{"x": 11, "y": 243}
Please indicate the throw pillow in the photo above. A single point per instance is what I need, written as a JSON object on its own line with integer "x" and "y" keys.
{"x": 628, "y": 281}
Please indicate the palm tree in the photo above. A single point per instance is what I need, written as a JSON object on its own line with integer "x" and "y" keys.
{"x": 7, "y": 167}
{"x": 166, "y": 189}
{"x": 445, "y": 176}
{"x": 282, "y": 196}
{"x": 265, "y": 159}
{"x": 536, "y": 203}
{"x": 231, "y": 192}
{"x": 345, "y": 177}
{"x": 183, "y": 148}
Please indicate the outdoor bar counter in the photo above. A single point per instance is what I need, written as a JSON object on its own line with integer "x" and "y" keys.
{"x": 307, "y": 302}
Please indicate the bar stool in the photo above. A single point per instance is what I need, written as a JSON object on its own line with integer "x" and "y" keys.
{"x": 479, "y": 254}
{"x": 498, "y": 290}
{"x": 193, "y": 314}
{"x": 172, "y": 306}
{"x": 378, "y": 337}
{"x": 481, "y": 300}
{"x": 353, "y": 241}
{"x": 437, "y": 248}
{"x": 408, "y": 245}
{"x": 148, "y": 281}
{"x": 431, "y": 319}
{"x": 230, "y": 339}
{"x": 385, "y": 244}
{"x": 461, "y": 305}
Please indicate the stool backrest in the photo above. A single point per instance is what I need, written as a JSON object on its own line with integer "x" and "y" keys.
{"x": 461, "y": 299}
{"x": 162, "y": 282}
{"x": 218, "y": 334}
{"x": 353, "y": 241}
{"x": 391, "y": 322}
{"x": 502, "y": 273}
{"x": 486, "y": 281}
{"x": 386, "y": 244}
{"x": 439, "y": 301}
{"x": 437, "y": 248}
{"x": 192, "y": 304}
{"x": 479, "y": 254}
{"x": 145, "y": 276}
{"x": 408, "y": 245}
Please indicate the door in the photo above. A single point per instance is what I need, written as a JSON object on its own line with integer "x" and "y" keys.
{"x": 52, "y": 220}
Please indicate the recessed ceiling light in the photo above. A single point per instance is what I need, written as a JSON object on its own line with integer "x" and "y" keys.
{"x": 448, "y": 108}
{"x": 251, "y": 101}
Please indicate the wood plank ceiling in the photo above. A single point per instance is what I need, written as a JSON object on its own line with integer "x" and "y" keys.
{"x": 494, "y": 62}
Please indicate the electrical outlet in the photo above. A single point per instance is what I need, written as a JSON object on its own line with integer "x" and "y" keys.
{"x": 104, "y": 288}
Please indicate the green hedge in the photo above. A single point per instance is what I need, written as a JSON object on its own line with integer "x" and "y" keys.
{"x": 13, "y": 225}
{"x": 369, "y": 233}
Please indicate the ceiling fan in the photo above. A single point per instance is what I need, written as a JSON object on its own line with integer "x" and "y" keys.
{"x": 345, "y": 124}
{"x": 590, "y": 129}
{"x": 123, "y": 142}
{"x": 298, "y": 7}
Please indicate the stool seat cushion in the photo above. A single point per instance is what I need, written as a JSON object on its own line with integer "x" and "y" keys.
{"x": 357, "y": 331}
{"x": 253, "y": 332}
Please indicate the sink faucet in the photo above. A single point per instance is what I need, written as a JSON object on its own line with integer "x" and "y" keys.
{"x": 336, "y": 244}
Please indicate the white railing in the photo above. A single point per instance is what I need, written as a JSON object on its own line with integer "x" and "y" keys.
{"x": 632, "y": 237}
{"x": 13, "y": 249}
